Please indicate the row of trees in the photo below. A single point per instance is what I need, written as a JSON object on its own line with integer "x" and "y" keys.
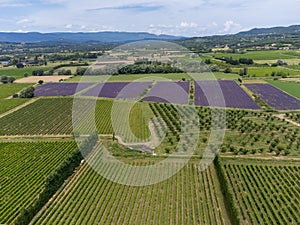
{"x": 7, "y": 80}
{"x": 232, "y": 61}
{"x": 146, "y": 67}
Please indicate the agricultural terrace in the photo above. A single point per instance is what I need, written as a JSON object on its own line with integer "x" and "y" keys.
{"x": 274, "y": 97}
{"x": 23, "y": 168}
{"x": 189, "y": 197}
{"x": 291, "y": 88}
{"x": 262, "y": 191}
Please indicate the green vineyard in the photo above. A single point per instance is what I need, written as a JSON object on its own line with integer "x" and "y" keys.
{"x": 23, "y": 169}
{"x": 53, "y": 116}
{"x": 189, "y": 197}
{"x": 265, "y": 192}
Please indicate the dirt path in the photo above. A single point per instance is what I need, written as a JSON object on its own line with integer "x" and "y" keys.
{"x": 18, "y": 107}
{"x": 31, "y": 138}
{"x": 282, "y": 116}
{"x": 148, "y": 146}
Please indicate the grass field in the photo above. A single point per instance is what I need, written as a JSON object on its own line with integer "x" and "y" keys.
{"x": 292, "y": 63}
{"x": 19, "y": 73}
{"x": 263, "y": 191}
{"x": 7, "y": 90}
{"x": 262, "y": 55}
{"x": 267, "y": 71}
{"x": 23, "y": 168}
{"x": 154, "y": 77}
{"x": 292, "y": 88}
{"x": 189, "y": 197}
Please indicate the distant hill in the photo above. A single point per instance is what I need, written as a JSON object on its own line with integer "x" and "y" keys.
{"x": 272, "y": 31}
{"x": 100, "y": 37}
{"x": 257, "y": 37}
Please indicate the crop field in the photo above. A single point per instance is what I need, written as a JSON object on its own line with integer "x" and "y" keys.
{"x": 60, "y": 89}
{"x": 53, "y": 116}
{"x": 189, "y": 197}
{"x": 290, "y": 87}
{"x": 19, "y": 73}
{"x": 23, "y": 168}
{"x": 122, "y": 90}
{"x": 264, "y": 192}
{"x": 262, "y": 55}
{"x": 172, "y": 92}
{"x": 231, "y": 95}
{"x": 247, "y": 132}
{"x": 274, "y": 97}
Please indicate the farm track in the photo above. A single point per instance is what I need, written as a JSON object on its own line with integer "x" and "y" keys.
{"x": 282, "y": 116}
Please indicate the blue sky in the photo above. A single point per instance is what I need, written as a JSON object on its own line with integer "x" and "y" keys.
{"x": 175, "y": 17}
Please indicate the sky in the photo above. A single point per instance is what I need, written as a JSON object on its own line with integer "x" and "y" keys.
{"x": 175, "y": 17}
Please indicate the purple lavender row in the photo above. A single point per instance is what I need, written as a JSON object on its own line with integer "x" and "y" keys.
{"x": 122, "y": 90}
{"x": 60, "y": 89}
{"x": 172, "y": 92}
{"x": 223, "y": 93}
{"x": 274, "y": 97}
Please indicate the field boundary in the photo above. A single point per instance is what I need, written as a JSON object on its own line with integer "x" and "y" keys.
{"x": 18, "y": 107}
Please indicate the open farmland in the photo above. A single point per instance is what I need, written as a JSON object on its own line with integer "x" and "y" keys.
{"x": 153, "y": 77}
{"x": 53, "y": 116}
{"x": 23, "y": 168}
{"x": 267, "y": 71}
{"x": 189, "y": 197}
{"x": 6, "y": 91}
{"x": 172, "y": 92}
{"x": 261, "y": 55}
{"x": 60, "y": 89}
{"x": 122, "y": 90}
{"x": 262, "y": 192}
{"x": 274, "y": 97}
{"x": 46, "y": 79}
{"x": 19, "y": 73}
{"x": 248, "y": 132}
{"x": 289, "y": 87}
{"x": 230, "y": 95}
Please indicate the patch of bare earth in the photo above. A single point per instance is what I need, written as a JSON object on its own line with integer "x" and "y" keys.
{"x": 46, "y": 79}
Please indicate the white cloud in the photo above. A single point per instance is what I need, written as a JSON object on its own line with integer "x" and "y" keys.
{"x": 230, "y": 26}
{"x": 69, "y": 26}
{"x": 188, "y": 25}
{"x": 23, "y": 21}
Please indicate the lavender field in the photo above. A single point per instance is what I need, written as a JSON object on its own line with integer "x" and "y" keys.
{"x": 274, "y": 97}
{"x": 223, "y": 93}
{"x": 172, "y": 92}
{"x": 121, "y": 90}
{"x": 60, "y": 89}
